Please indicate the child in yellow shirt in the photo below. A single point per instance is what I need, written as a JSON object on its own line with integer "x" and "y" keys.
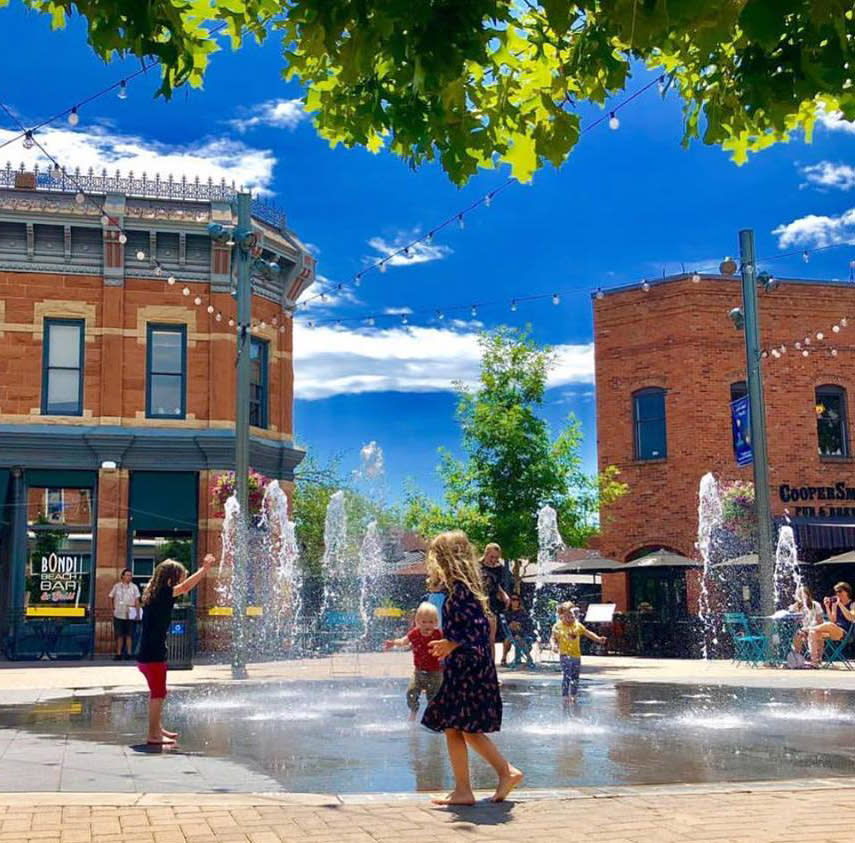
{"x": 567, "y": 637}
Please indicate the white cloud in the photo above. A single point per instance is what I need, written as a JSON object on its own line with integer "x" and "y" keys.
{"x": 834, "y": 121}
{"x": 398, "y": 311}
{"x": 281, "y": 114}
{"x": 817, "y": 230}
{"x": 420, "y": 359}
{"x": 828, "y": 174}
{"x": 420, "y": 252}
{"x": 99, "y": 147}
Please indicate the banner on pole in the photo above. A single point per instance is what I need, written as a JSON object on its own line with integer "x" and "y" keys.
{"x": 740, "y": 414}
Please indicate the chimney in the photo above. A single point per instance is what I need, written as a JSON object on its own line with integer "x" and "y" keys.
{"x": 25, "y": 181}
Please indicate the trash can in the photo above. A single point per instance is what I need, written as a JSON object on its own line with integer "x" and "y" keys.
{"x": 180, "y": 640}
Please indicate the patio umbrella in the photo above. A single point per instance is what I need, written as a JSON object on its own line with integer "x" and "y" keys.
{"x": 847, "y": 558}
{"x": 592, "y": 565}
{"x": 746, "y": 560}
{"x": 662, "y": 559}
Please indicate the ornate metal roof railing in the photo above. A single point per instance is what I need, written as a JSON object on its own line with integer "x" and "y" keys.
{"x": 63, "y": 181}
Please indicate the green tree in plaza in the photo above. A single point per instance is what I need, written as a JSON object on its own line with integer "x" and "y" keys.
{"x": 315, "y": 485}
{"x": 511, "y": 464}
{"x": 476, "y": 82}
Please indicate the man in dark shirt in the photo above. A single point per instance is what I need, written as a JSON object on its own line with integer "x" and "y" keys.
{"x": 497, "y": 584}
{"x": 169, "y": 581}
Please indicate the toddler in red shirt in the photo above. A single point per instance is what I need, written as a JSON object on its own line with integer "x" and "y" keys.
{"x": 427, "y": 672}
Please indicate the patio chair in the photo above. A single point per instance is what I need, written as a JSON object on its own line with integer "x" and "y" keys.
{"x": 835, "y": 651}
{"x": 749, "y": 647}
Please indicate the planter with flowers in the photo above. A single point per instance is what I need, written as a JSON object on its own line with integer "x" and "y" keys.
{"x": 739, "y": 513}
{"x": 224, "y": 486}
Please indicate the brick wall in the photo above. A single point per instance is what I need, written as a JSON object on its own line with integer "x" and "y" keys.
{"x": 115, "y": 350}
{"x": 678, "y": 336}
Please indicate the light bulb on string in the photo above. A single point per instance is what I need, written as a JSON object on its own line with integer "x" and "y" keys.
{"x": 834, "y": 352}
{"x": 835, "y": 328}
{"x": 79, "y": 197}
{"x": 764, "y": 354}
{"x": 219, "y": 317}
{"x": 474, "y": 311}
{"x": 231, "y": 323}
{"x": 171, "y": 280}
{"x": 382, "y": 266}
{"x": 429, "y": 237}
{"x": 210, "y": 308}
{"x": 783, "y": 349}
{"x": 263, "y": 325}
{"x": 281, "y": 329}
{"x": 73, "y": 116}
{"x": 488, "y": 200}
{"x": 185, "y": 291}
{"x": 805, "y": 353}
{"x": 600, "y": 294}
{"x": 140, "y": 255}
{"x": 820, "y": 336}
{"x": 158, "y": 269}
{"x": 556, "y": 299}
{"x": 844, "y": 322}
{"x": 696, "y": 277}
{"x": 440, "y": 315}
{"x": 370, "y": 321}
{"x": 805, "y": 256}
{"x": 357, "y": 279}
{"x": 807, "y": 340}
{"x": 406, "y": 251}
{"x": 197, "y": 301}
{"x": 798, "y": 346}
{"x": 614, "y": 121}
{"x": 404, "y": 319}
{"x": 460, "y": 221}
{"x": 645, "y": 286}
{"x": 775, "y": 353}
{"x": 105, "y": 220}
{"x": 513, "y": 305}
{"x": 29, "y": 143}
{"x": 123, "y": 238}
{"x": 123, "y": 90}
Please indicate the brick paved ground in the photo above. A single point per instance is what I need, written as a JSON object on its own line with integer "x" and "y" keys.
{"x": 801, "y": 812}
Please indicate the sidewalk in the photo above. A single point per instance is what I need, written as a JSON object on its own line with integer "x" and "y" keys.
{"x": 23, "y": 682}
{"x": 796, "y": 812}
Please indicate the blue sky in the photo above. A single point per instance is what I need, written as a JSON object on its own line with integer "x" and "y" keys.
{"x": 628, "y": 204}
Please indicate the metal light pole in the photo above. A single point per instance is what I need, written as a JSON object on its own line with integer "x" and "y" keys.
{"x": 765, "y": 551}
{"x": 244, "y": 241}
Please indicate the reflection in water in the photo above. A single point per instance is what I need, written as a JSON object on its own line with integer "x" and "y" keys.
{"x": 354, "y": 736}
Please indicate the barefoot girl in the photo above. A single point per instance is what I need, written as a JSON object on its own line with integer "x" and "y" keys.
{"x": 168, "y": 582}
{"x": 468, "y": 703}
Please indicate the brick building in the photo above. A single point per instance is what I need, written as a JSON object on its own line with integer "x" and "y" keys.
{"x": 669, "y": 361}
{"x": 117, "y": 388}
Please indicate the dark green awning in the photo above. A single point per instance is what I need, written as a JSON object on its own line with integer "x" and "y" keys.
{"x": 60, "y": 479}
{"x": 164, "y": 500}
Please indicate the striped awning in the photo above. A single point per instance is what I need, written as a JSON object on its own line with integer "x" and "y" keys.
{"x": 815, "y": 534}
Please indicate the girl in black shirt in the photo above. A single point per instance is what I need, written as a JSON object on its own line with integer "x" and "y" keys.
{"x": 168, "y": 582}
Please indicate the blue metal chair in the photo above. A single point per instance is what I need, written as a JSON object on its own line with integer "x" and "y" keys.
{"x": 749, "y": 646}
{"x": 835, "y": 651}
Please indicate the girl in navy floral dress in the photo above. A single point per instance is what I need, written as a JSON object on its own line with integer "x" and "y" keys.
{"x": 468, "y": 703}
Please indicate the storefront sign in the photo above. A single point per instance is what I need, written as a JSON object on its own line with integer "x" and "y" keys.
{"x": 820, "y": 501}
{"x": 740, "y": 416}
{"x": 60, "y": 576}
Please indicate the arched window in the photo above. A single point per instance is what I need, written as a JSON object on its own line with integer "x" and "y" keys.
{"x": 648, "y": 410}
{"x": 830, "y": 406}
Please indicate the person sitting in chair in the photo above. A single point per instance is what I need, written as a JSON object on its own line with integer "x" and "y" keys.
{"x": 520, "y": 633}
{"x": 811, "y": 613}
{"x": 840, "y": 610}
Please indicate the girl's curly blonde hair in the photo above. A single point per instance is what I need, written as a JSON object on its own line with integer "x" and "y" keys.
{"x": 168, "y": 573}
{"x": 450, "y": 559}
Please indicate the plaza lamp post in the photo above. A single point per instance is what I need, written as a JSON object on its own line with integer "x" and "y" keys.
{"x": 746, "y": 318}
{"x": 243, "y": 241}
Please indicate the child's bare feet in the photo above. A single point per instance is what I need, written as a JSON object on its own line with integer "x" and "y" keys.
{"x": 160, "y": 740}
{"x": 413, "y": 715}
{"x": 507, "y": 783}
{"x": 462, "y": 797}
{"x": 171, "y": 735}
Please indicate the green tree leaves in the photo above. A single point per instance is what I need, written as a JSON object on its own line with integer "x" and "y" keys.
{"x": 470, "y": 83}
{"x": 512, "y": 466}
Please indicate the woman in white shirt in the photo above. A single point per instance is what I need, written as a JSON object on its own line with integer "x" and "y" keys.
{"x": 811, "y": 612}
{"x": 125, "y": 596}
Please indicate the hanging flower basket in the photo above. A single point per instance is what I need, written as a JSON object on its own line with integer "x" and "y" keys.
{"x": 739, "y": 513}
{"x": 224, "y": 487}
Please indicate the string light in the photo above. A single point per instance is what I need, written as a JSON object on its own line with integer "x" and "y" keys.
{"x": 357, "y": 280}
{"x": 197, "y": 301}
{"x": 140, "y": 255}
{"x": 798, "y": 346}
{"x": 231, "y": 323}
{"x": 461, "y": 224}
{"x": 73, "y": 116}
{"x": 29, "y": 143}
{"x": 185, "y": 291}
{"x": 805, "y": 256}
{"x": 219, "y": 317}
{"x": 556, "y": 299}
{"x": 835, "y": 328}
{"x": 834, "y": 352}
{"x": 79, "y": 197}
{"x": 614, "y": 121}
{"x": 440, "y": 315}
{"x": 210, "y": 308}
{"x": 844, "y": 322}
{"x": 171, "y": 280}
{"x": 696, "y": 277}
{"x": 645, "y": 286}
{"x": 488, "y": 200}
{"x": 382, "y": 266}
{"x": 429, "y": 238}
{"x": 123, "y": 90}
{"x": 404, "y": 319}
{"x": 600, "y": 293}
{"x": 474, "y": 311}
{"x": 820, "y": 336}
{"x": 513, "y": 305}
{"x": 805, "y": 353}
{"x": 123, "y": 238}
{"x": 370, "y": 321}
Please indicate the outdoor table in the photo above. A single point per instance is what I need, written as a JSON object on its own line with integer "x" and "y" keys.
{"x": 781, "y": 629}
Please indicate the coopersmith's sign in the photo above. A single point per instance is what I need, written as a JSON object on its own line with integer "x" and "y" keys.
{"x": 819, "y": 501}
